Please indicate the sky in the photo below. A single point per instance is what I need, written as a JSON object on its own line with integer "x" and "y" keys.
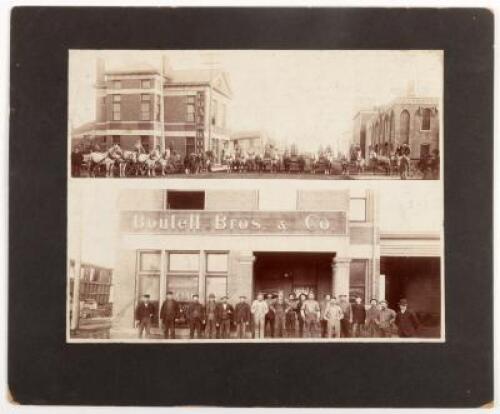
{"x": 304, "y": 97}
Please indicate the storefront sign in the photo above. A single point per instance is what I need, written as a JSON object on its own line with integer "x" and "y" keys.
{"x": 240, "y": 222}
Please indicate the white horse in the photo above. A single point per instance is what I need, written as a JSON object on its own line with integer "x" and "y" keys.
{"x": 96, "y": 159}
{"x": 126, "y": 158}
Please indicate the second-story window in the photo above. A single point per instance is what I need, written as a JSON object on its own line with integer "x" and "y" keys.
{"x": 146, "y": 83}
{"x": 145, "y": 111}
{"x": 117, "y": 116}
{"x": 117, "y": 84}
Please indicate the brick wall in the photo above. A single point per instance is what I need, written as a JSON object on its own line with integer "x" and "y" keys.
{"x": 175, "y": 109}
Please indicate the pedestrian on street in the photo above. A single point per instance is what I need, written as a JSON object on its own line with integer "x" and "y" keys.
{"x": 211, "y": 318}
{"x": 333, "y": 316}
{"x": 76, "y": 162}
{"x": 372, "y": 319}
{"x": 242, "y": 316}
{"x": 358, "y": 317}
{"x": 168, "y": 313}
{"x": 224, "y": 316}
{"x": 144, "y": 314}
{"x": 280, "y": 312}
{"x": 311, "y": 313}
{"x": 291, "y": 315}
{"x": 270, "y": 315}
{"x": 406, "y": 320}
{"x": 346, "y": 321}
{"x": 322, "y": 306}
{"x": 195, "y": 316}
{"x": 386, "y": 317}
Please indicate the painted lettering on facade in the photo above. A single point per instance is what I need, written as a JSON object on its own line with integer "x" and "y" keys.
{"x": 250, "y": 222}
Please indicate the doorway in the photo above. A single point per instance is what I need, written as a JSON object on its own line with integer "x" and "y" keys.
{"x": 291, "y": 272}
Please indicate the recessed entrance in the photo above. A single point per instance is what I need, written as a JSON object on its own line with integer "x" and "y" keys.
{"x": 293, "y": 272}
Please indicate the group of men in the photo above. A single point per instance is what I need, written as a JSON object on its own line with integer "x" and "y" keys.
{"x": 269, "y": 317}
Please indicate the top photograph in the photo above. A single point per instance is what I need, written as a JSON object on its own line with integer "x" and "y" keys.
{"x": 261, "y": 114}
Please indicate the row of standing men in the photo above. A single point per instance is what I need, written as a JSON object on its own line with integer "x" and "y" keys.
{"x": 269, "y": 318}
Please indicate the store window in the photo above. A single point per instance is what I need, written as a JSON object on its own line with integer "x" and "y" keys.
{"x": 357, "y": 209}
{"x": 183, "y": 276}
{"x": 216, "y": 274}
{"x": 185, "y": 200}
{"x": 357, "y": 279}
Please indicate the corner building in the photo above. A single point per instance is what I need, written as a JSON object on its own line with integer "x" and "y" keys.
{"x": 228, "y": 243}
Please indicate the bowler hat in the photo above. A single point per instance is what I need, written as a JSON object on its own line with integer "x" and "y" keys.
{"x": 170, "y": 292}
{"x": 403, "y": 302}
{"x": 146, "y": 296}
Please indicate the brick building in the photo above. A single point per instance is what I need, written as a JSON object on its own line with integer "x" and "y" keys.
{"x": 229, "y": 243}
{"x": 406, "y": 120}
{"x": 185, "y": 110}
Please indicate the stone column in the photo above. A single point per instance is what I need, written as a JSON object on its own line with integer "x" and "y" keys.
{"x": 340, "y": 274}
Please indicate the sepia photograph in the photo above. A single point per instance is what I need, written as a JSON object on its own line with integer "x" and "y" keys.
{"x": 325, "y": 114}
{"x": 262, "y": 264}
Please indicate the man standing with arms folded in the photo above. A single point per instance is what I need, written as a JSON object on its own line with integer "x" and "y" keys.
{"x": 259, "y": 310}
{"x": 311, "y": 313}
{"x": 346, "y": 321}
{"x": 333, "y": 315}
{"x": 144, "y": 314}
{"x": 387, "y": 317}
{"x": 168, "y": 313}
{"x": 358, "y": 317}
{"x": 195, "y": 316}
{"x": 242, "y": 317}
{"x": 224, "y": 314}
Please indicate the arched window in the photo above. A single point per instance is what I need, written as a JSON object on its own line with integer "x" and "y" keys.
{"x": 426, "y": 119}
{"x": 404, "y": 127}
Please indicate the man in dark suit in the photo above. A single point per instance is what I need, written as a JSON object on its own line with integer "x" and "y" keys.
{"x": 195, "y": 316}
{"x": 144, "y": 313}
{"x": 242, "y": 317}
{"x": 406, "y": 320}
{"x": 168, "y": 313}
{"x": 224, "y": 315}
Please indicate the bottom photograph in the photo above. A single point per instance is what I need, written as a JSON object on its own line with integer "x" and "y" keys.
{"x": 255, "y": 265}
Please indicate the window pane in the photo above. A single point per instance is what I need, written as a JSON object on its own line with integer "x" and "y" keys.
{"x": 116, "y": 107}
{"x": 146, "y": 84}
{"x": 216, "y": 262}
{"x": 149, "y": 285}
{"x": 150, "y": 261}
{"x": 217, "y": 286}
{"x": 184, "y": 262}
{"x": 357, "y": 209}
{"x": 117, "y": 98}
{"x": 183, "y": 287}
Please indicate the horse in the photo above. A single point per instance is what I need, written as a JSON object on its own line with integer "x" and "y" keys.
{"x": 97, "y": 159}
{"x": 127, "y": 159}
{"x": 381, "y": 161}
{"x": 404, "y": 167}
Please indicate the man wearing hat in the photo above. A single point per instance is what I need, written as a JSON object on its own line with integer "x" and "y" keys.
{"x": 372, "y": 319}
{"x": 333, "y": 315}
{"x": 211, "y": 318}
{"x": 310, "y": 313}
{"x": 406, "y": 320}
{"x": 387, "y": 317}
{"x": 242, "y": 316}
{"x": 224, "y": 312}
{"x": 358, "y": 317}
{"x": 280, "y": 310}
{"x": 291, "y": 315}
{"x": 195, "y": 316}
{"x": 346, "y": 321}
{"x": 169, "y": 311}
{"x": 144, "y": 314}
{"x": 270, "y": 314}
{"x": 259, "y": 310}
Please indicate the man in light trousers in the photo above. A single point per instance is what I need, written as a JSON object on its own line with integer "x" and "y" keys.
{"x": 333, "y": 315}
{"x": 259, "y": 310}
